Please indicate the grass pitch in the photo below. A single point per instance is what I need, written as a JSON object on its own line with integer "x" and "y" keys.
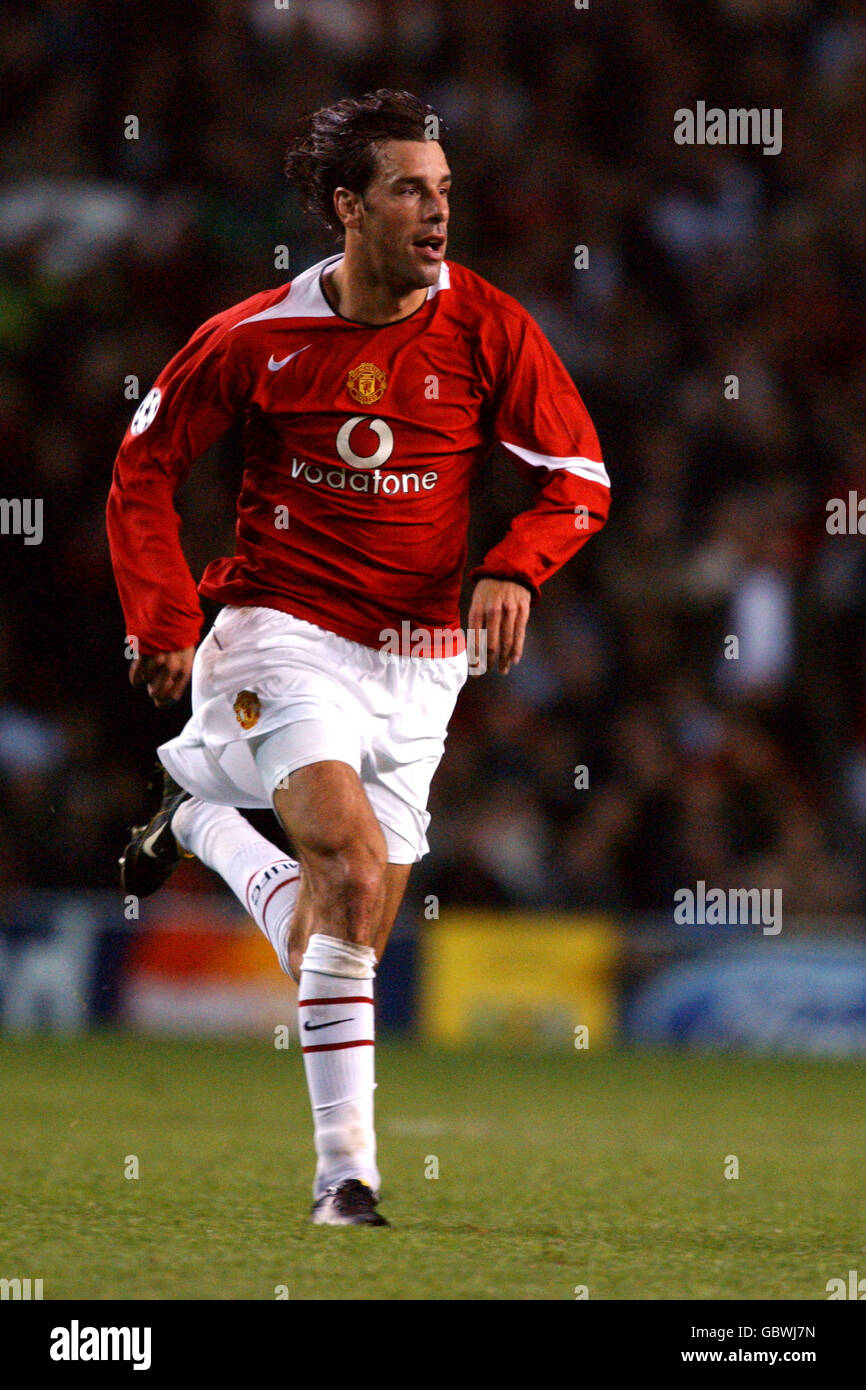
{"x": 604, "y": 1171}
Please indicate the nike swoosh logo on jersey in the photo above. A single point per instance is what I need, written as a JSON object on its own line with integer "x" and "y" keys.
{"x": 274, "y": 365}
{"x": 312, "y": 1027}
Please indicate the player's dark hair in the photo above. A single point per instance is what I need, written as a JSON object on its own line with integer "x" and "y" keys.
{"x": 338, "y": 146}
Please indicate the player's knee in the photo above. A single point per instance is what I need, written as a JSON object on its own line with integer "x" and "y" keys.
{"x": 362, "y": 877}
{"x": 351, "y": 880}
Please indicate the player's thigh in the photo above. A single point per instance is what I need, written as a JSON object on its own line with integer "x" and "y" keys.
{"x": 325, "y": 811}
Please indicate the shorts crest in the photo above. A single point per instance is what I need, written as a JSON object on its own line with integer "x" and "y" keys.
{"x": 247, "y": 709}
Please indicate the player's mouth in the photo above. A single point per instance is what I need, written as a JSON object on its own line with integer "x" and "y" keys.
{"x": 430, "y": 248}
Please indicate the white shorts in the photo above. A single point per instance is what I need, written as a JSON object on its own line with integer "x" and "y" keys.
{"x": 272, "y": 693}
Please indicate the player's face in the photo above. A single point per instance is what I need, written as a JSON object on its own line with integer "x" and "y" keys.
{"x": 403, "y": 217}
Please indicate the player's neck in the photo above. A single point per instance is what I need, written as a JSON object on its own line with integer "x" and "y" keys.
{"x": 355, "y": 295}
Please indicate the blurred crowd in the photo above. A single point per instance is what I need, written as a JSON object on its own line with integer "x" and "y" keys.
{"x": 637, "y": 747}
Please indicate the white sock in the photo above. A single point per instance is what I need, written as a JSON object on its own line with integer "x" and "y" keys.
{"x": 336, "y": 1022}
{"x": 266, "y": 881}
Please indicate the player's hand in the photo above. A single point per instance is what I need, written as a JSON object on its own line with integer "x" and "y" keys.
{"x": 498, "y": 615}
{"x": 165, "y": 675}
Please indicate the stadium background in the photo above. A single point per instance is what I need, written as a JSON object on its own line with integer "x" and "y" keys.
{"x": 703, "y": 262}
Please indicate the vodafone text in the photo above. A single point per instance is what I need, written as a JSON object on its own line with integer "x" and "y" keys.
{"x": 375, "y": 481}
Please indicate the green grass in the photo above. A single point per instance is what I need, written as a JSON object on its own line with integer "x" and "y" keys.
{"x": 601, "y": 1170}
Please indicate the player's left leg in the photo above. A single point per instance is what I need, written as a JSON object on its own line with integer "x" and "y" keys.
{"x": 395, "y": 880}
{"x": 350, "y": 900}
{"x": 338, "y": 818}
{"x": 336, "y": 993}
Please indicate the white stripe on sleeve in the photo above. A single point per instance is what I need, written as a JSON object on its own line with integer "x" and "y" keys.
{"x": 584, "y": 468}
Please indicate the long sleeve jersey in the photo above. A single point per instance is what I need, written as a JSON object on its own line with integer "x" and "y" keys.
{"x": 360, "y": 446}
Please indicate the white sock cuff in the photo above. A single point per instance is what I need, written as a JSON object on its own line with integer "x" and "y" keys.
{"x": 327, "y": 955}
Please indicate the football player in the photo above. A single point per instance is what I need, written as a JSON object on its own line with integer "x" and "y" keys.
{"x": 371, "y": 389}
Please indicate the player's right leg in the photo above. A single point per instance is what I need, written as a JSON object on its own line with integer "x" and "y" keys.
{"x": 207, "y": 774}
{"x": 264, "y": 878}
{"x": 153, "y": 852}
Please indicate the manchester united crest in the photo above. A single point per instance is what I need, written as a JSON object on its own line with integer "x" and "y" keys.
{"x": 247, "y": 709}
{"x": 366, "y": 384}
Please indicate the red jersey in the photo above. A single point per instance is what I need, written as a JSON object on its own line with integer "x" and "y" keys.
{"x": 360, "y": 444}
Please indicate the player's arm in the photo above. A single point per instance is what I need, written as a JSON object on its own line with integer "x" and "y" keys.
{"x": 193, "y": 402}
{"x": 545, "y": 427}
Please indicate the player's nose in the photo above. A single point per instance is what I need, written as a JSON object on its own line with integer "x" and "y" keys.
{"x": 436, "y": 211}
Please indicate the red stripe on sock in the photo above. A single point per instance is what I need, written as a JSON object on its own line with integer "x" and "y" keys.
{"x": 335, "y": 1047}
{"x": 284, "y": 884}
{"x": 273, "y": 862}
{"x": 340, "y": 999}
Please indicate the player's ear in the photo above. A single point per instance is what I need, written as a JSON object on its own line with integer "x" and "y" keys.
{"x": 348, "y": 207}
